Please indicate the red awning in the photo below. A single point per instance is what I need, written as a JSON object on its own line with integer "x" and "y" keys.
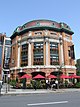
{"x": 25, "y": 76}
{"x": 74, "y": 76}
{"x": 38, "y": 76}
{"x": 51, "y": 76}
{"x": 64, "y": 76}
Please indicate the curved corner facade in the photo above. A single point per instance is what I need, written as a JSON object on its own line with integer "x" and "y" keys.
{"x": 42, "y": 47}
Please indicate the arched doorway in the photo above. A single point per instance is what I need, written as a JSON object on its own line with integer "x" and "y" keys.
{"x": 36, "y": 73}
{"x": 20, "y": 74}
{"x": 56, "y": 73}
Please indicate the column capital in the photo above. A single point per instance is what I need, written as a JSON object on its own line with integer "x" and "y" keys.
{"x": 19, "y": 42}
{"x": 30, "y": 33}
{"x": 29, "y": 41}
{"x": 46, "y": 39}
{"x": 46, "y": 32}
{"x": 60, "y": 40}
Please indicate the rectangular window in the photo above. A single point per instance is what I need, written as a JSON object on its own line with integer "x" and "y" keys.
{"x": 54, "y": 55}
{"x": 7, "y": 56}
{"x": 7, "y": 42}
{"x": 24, "y": 55}
{"x": 38, "y": 33}
{"x": 38, "y": 53}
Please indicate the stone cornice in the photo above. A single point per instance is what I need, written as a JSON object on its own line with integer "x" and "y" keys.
{"x": 69, "y": 66}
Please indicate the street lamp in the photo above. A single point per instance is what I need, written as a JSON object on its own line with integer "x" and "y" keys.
{"x": 8, "y": 82}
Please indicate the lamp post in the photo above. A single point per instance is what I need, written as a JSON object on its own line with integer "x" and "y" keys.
{"x": 6, "y": 83}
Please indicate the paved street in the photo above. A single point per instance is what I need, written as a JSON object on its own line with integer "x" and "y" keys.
{"x": 68, "y": 99}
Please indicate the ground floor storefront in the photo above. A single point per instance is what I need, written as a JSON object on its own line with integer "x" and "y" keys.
{"x": 44, "y": 71}
{"x": 17, "y": 73}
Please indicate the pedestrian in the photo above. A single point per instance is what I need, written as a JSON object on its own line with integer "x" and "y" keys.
{"x": 35, "y": 85}
{"x": 57, "y": 85}
{"x": 52, "y": 83}
{"x": 47, "y": 84}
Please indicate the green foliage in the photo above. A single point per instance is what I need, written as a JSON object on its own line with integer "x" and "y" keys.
{"x": 78, "y": 73}
{"x": 70, "y": 85}
{"x": 78, "y": 67}
{"x": 40, "y": 84}
{"x": 13, "y": 83}
{"x": 29, "y": 86}
{"x": 66, "y": 83}
{"x": 77, "y": 85}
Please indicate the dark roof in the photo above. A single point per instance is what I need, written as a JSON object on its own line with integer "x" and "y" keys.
{"x": 42, "y": 24}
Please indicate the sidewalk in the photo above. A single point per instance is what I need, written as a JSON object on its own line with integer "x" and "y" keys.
{"x": 12, "y": 91}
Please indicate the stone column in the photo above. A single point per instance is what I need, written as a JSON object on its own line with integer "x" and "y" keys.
{"x": 18, "y": 61}
{"x": 47, "y": 51}
{"x": 29, "y": 54}
{"x": 62, "y": 57}
{"x": 61, "y": 51}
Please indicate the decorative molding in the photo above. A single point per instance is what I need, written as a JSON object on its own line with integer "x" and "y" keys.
{"x": 66, "y": 66}
{"x": 46, "y": 32}
{"x": 38, "y": 40}
{"x": 24, "y": 42}
{"x": 14, "y": 43}
{"x": 65, "y": 39}
{"x": 54, "y": 40}
{"x": 46, "y": 39}
{"x": 30, "y": 33}
{"x": 17, "y": 68}
{"x": 24, "y": 37}
{"x": 49, "y": 66}
{"x": 69, "y": 66}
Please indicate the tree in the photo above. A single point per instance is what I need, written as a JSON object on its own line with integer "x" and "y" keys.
{"x": 78, "y": 67}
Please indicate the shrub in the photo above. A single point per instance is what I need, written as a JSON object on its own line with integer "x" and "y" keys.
{"x": 40, "y": 84}
{"x": 29, "y": 86}
{"x": 13, "y": 83}
{"x": 77, "y": 85}
{"x": 18, "y": 86}
{"x": 70, "y": 85}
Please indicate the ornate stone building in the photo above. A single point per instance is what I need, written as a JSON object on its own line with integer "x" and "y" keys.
{"x": 42, "y": 47}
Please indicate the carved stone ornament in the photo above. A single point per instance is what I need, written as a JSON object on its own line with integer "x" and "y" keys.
{"x": 30, "y": 33}
{"x": 46, "y": 32}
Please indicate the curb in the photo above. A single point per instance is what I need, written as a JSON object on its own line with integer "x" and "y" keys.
{"x": 14, "y": 93}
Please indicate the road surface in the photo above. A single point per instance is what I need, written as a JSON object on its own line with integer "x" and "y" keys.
{"x": 68, "y": 99}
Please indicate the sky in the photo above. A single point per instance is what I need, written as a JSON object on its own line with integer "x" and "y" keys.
{"x": 15, "y": 13}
